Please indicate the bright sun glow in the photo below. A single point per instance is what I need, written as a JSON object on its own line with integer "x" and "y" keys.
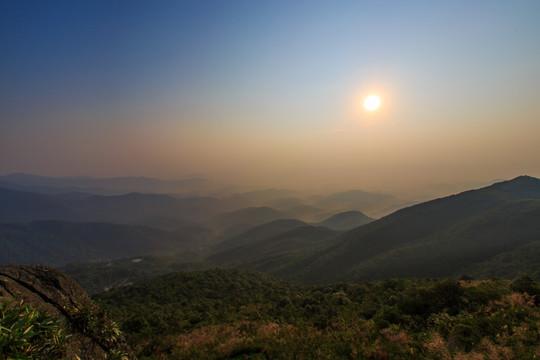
{"x": 372, "y": 103}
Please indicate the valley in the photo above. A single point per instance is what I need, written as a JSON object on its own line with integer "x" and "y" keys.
{"x": 465, "y": 233}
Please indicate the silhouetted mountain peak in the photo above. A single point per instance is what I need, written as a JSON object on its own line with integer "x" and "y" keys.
{"x": 524, "y": 186}
{"x": 526, "y": 179}
{"x": 281, "y": 222}
{"x": 520, "y": 180}
{"x": 346, "y": 220}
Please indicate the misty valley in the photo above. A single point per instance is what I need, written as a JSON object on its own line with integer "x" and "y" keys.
{"x": 191, "y": 270}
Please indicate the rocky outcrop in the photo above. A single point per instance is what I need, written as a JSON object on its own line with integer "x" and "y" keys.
{"x": 92, "y": 335}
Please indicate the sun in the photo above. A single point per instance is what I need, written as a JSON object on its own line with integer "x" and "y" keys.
{"x": 372, "y": 103}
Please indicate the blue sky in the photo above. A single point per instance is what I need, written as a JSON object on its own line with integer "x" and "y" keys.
{"x": 268, "y": 92}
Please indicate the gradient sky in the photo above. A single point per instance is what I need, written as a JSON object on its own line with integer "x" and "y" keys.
{"x": 269, "y": 93}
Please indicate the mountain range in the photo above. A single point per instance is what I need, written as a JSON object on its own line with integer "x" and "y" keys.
{"x": 310, "y": 207}
{"x": 487, "y": 232}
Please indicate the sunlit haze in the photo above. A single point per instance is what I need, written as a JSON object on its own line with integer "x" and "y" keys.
{"x": 272, "y": 93}
{"x": 372, "y": 103}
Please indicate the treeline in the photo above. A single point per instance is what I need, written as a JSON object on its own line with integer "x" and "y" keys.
{"x": 215, "y": 314}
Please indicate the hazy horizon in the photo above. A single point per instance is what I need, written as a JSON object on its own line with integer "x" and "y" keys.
{"x": 269, "y": 94}
{"x": 221, "y": 189}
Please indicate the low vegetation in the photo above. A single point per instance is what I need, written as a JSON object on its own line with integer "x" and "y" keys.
{"x": 27, "y": 333}
{"x": 216, "y": 314}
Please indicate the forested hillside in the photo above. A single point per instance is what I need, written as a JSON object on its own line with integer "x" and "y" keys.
{"x": 259, "y": 249}
{"x": 436, "y": 238}
{"x": 58, "y": 243}
{"x": 217, "y": 314}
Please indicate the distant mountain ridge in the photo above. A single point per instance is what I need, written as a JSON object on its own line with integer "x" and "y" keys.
{"x": 21, "y": 206}
{"x": 346, "y": 220}
{"x": 253, "y": 215}
{"x": 309, "y": 208}
{"x": 374, "y": 204}
{"x": 48, "y": 184}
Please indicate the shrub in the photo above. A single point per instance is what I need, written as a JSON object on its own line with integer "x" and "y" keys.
{"x": 29, "y": 334}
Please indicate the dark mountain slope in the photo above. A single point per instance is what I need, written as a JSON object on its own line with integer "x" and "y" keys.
{"x": 258, "y": 233}
{"x": 509, "y": 265}
{"x": 57, "y": 242}
{"x": 233, "y": 223}
{"x": 25, "y": 206}
{"x": 136, "y": 206}
{"x": 254, "y": 254}
{"x": 346, "y": 220}
{"x": 417, "y": 223}
{"x": 446, "y": 252}
{"x": 129, "y": 206}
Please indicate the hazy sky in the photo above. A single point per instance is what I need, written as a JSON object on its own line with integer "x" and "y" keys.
{"x": 269, "y": 93}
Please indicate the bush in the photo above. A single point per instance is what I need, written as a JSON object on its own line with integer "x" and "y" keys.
{"x": 29, "y": 334}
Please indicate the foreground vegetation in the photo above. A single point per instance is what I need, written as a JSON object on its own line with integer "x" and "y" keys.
{"x": 217, "y": 314}
{"x": 27, "y": 333}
